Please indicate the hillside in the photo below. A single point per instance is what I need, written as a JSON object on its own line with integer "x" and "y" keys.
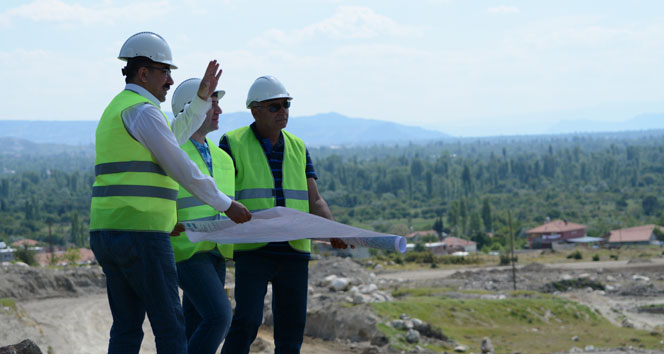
{"x": 317, "y": 130}
{"x": 640, "y": 122}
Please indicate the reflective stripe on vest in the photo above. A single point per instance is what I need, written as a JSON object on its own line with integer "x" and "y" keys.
{"x": 254, "y": 183}
{"x": 190, "y": 208}
{"x": 269, "y": 193}
{"x": 131, "y": 191}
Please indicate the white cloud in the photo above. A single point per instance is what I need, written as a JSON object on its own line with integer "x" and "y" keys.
{"x": 349, "y": 22}
{"x": 359, "y": 22}
{"x": 586, "y": 33}
{"x": 503, "y": 9}
{"x": 61, "y": 12}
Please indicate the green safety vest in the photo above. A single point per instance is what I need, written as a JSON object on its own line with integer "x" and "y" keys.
{"x": 131, "y": 191}
{"x": 254, "y": 184}
{"x": 190, "y": 208}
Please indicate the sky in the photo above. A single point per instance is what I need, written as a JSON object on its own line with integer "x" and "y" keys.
{"x": 467, "y": 68}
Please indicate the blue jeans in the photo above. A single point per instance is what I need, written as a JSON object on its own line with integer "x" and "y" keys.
{"x": 140, "y": 278}
{"x": 289, "y": 277}
{"x": 207, "y": 310}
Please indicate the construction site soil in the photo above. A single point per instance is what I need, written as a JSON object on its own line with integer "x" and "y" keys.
{"x": 65, "y": 310}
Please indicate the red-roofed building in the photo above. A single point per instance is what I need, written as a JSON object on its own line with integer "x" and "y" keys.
{"x": 85, "y": 257}
{"x": 26, "y": 241}
{"x": 637, "y": 235}
{"x": 417, "y": 234}
{"x": 554, "y": 231}
{"x": 454, "y": 244}
{"x": 448, "y": 246}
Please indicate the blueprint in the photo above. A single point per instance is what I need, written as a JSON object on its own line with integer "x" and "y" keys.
{"x": 285, "y": 224}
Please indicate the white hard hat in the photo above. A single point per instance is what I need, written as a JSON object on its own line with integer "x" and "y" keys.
{"x": 266, "y": 88}
{"x": 147, "y": 44}
{"x": 185, "y": 93}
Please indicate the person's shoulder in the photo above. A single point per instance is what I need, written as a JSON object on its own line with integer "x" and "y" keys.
{"x": 216, "y": 150}
{"x": 237, "y": 134}
{"x": 292, "y": 136}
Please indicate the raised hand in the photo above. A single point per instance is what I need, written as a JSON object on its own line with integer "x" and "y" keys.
{"x": 209, "y": 81}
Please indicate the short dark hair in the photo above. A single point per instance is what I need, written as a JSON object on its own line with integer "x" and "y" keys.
{"x": 133, "y": 64}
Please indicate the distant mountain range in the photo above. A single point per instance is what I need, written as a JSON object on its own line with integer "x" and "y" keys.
{"x": 640, "y": 122}
{"x": 12, "y": 146}
{"x": 326, "y": 129}
{"x": 319, "y": 130}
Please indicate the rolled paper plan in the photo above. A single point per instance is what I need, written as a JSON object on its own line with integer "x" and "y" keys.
{"x": 285, "y": 224}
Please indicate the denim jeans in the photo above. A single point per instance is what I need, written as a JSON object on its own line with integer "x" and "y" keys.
{"x": 289, "y": 277}
{"x": 207, "y": 310}
{"x": 140, "y": 278}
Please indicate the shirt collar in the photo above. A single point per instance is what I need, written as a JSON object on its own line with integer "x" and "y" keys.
{"x": 198, "y": 145}
{"x": 143, "y": 92}
{"x": 260, "y": 138}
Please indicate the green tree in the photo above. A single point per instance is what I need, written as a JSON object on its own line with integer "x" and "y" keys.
{"x": 416, "y": 168}
{"x": 650, "y": 205}
{"x": 475, "y": 224}
{"x": 428, "y": 178}
{"x": 463, "y": 216}
{"x": 438, "y": 226}
{"x": 453, "y": 215}
{"x": 76, "y": 231}
{"x": 486, "y": 215}
{"x": 466, "y": 180}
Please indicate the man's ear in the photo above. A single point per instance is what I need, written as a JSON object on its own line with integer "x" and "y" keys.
{"x": 142, "y": 74}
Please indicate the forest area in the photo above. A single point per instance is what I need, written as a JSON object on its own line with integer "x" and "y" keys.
{"x": 464, "y": 187}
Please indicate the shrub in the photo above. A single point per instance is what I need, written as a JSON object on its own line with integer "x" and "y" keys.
{"x": 614, "y": 257}
{"x": 596, "y": 258}
{"x": 419, "y": 257}
{"x": 25, "y": 255}
{"x": 396, "y": 258}
{"x": 505, "y": 259}
{"x": 72, "y": 256}
{"x": 575, "y": 255}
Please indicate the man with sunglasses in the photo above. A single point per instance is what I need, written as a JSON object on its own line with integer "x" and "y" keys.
{"x": 138, "y": 167}
{"x": 272, "y": 168}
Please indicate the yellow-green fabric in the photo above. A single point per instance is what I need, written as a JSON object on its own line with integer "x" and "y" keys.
{"x": 190, "y": 208}
{"x": 254, "y": 184}
{"x": 131, "y": 191}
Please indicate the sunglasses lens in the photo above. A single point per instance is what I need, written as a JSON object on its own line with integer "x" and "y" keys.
{"x": 275, "y": 107}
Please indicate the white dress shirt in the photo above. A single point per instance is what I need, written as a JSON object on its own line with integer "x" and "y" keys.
{"x": 145, "y": 122}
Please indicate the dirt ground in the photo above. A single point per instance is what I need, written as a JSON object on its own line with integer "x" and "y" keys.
{"x": 65, "y": 311}
{"x": 80, "y": 326}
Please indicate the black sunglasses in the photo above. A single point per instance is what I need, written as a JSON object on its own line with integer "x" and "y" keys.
{"x": 275, "y": 107}
{"x": 165, "y": 71}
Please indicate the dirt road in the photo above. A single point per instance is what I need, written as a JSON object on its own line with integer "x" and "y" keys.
{"x": 81, "y": 325}
{"x": 443, "y": 273}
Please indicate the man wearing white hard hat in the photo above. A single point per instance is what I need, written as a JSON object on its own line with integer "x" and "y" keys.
{"x": 138, "y": 169}
{"x": 202, "y": 265}
{"x": 272, "y": 168}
